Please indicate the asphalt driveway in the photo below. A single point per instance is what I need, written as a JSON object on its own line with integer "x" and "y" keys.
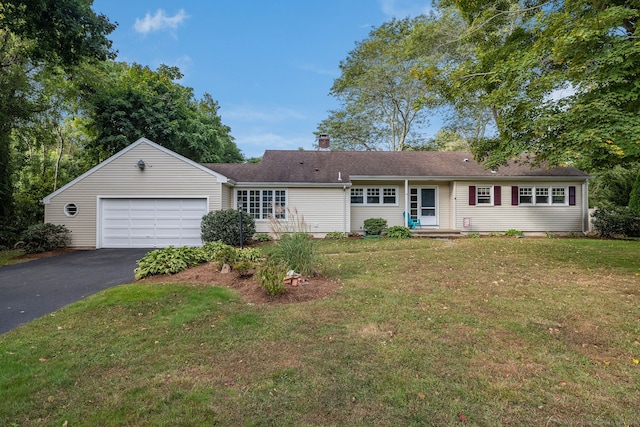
{"x": 35, "y": 288}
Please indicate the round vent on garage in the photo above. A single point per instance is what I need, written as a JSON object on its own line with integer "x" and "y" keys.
{"x": 71, "y": 209}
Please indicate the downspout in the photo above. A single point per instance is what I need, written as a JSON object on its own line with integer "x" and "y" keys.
{"x": 406, "y": 203}
{"x": 344, "y": 209}
{"x": 585, "y": 207}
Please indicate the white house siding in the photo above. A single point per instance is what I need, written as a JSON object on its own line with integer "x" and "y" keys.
{"x": 393, "y": 214}
{"x": 227, "y": 201}
{"x": 523, "y": 218}
{"x": 322, "y": 209}
{"x": 164, "y": 176}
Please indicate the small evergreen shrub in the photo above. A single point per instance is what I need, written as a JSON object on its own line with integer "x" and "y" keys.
{"x": 335, "y": 235}
{"x": 513, "y": 232}
{"x": 224, "y": 225}
{"x": 44, "y": 237}
{"x": 375, "y": 226}
{"x": 226, "y": 255}
{"x": 271, "y": 277}
{"x": 612, "y": 221}
{"x": 398, "y": 232}
{"x": 244, "y": 268}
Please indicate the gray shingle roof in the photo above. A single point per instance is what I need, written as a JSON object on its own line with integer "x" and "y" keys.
{"x": 324, "y": 167}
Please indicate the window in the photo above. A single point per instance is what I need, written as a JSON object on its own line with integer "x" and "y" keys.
{"x": 483, "y": 196}
{"x": 71, "y": 209}
{"x": 374, "y": 196}
{"x": 261, "y": 204}
{"x": 357, "y": 196}
{"x": 558, "y": 196}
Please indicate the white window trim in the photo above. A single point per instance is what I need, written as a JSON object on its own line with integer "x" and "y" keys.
{"x": 550, "y": 189}
{"x": 491, "y": 191}
{"x": 381, "y": 189}
{"x": 260, "y": 200}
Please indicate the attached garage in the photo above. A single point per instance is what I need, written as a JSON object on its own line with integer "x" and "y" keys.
{"x": 150, "y": 222}
{"x": 145, "y": 196}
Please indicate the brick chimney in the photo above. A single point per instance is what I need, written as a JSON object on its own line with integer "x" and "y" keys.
{"x": 323, "y": 141}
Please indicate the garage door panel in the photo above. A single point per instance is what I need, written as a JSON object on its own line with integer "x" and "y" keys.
{"x": 151, "y": 222}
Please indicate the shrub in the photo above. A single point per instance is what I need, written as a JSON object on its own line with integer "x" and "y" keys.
{"x": 398, "y": 232}
{"x": 244, "y": 268}
{"x": 167, "y": 261}
{"x": 224, "y": 225}
{"x": 611, "y": 221}
{"x": 226, "y": 255}
{"x": 248, "y": 254}
{"x": 473, "y": 235}
{"x": 271, "y": 277}
{"x": 262, "y": 237}
{"x": 45, "y": 237}
{"x": 335, "y": 235}
{"x": 634, "y": 197}
{"x": 375, "y": 226}
{"x": 513, "y": 232}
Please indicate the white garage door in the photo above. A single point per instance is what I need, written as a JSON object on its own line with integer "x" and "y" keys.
{"x": 151, "y": 223}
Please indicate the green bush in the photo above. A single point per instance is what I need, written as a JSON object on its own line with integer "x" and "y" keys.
{"x": 473, "y": 235}
{"x": 224, "y": 225}
{"x": 375, "y": 226}
{"x": 611, "y": 221}
{"x": 244, "y": 268}
{"x": 168, "y": 261}
{"x": 513, "y": 232}
{"x": 248, "y": 254}
{"x": 45, "y": 237}
{"x": 262, "y": 237}
{"x": 335, "y": 235}
{"x": 297, "y": 252}
{"x": 398, "y": 232}
{"x": 271, "y": 277}
{"x": 634, "y": 197}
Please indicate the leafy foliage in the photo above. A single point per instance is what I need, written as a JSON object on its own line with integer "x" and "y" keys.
{"x": 335, "y": 235}
{"x": 262, "y": 237}
{"x": 224, "y": 225}
{"x": 634, "y": 199}
{"x": 613, "y": 185}
{"x": 513, "y": 232}
{"x": 398, "y": 232}
{"x": 271, "y": 277}
{"x": 45, "y": 237}
{"x": 297, "y": 252}
{"x": 133, "y": 101}
{"x": 613, "y": 221}
{"x": 375, "y": 226}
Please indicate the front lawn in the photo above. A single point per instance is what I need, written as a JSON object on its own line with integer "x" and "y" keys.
{"x": 487, "y": 332}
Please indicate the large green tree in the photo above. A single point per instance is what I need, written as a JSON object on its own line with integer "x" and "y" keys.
{"x": 134, "y": 101}
{"x": 383, "y": 105}
{"x": 35, "y": 35}
{"x": 560, "y": 77}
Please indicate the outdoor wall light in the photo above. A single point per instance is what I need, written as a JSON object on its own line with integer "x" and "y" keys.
{"x": 141, "y": 164}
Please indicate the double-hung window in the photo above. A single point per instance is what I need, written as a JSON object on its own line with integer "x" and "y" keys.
{"x": 484, "y": 196}
{"x": 261, "y": 204}
{"x": 544, "y": 196}
{"x": 374, "y": 196}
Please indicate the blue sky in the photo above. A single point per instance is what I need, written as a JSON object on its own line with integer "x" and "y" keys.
{"x": 270, "y": 64}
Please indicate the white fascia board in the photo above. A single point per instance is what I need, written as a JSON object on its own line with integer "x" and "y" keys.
{"x": 470, "y": 178}
{"x": 291, "y": 184}
{"x": 47, "y": 199}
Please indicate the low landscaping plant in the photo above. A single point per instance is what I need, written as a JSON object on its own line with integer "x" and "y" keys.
{"x": 513, "y": 233}
{"x": 297, "y": 252}
{"x": 262, "y": 237}
{"x": 271, "y": 276}
{"x": 335, "y": 235}
{"x": 398, "y": 232}
{"x": 44, "y": 237}
{"x": 167, "y": 261}
{"x": 375, "y": 226}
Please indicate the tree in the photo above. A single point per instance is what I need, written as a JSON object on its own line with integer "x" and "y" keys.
{"x": 133, "y": 101}
{"x": 559, "y": 76}
{"x": 634, "y": 198}
{"x": 38, "y": 34}
{"x": 383, "y": 104}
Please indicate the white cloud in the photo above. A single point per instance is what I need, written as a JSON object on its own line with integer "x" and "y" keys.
{"x": 404, "y": 8}
{"x": 159, "y": 21}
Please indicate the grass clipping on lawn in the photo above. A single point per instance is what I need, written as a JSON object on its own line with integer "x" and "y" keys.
{"x": 492, "y": 331}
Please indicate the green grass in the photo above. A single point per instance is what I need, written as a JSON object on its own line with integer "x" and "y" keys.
{"x": 8, "y": 257}
{"x": 505, "y": 331}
